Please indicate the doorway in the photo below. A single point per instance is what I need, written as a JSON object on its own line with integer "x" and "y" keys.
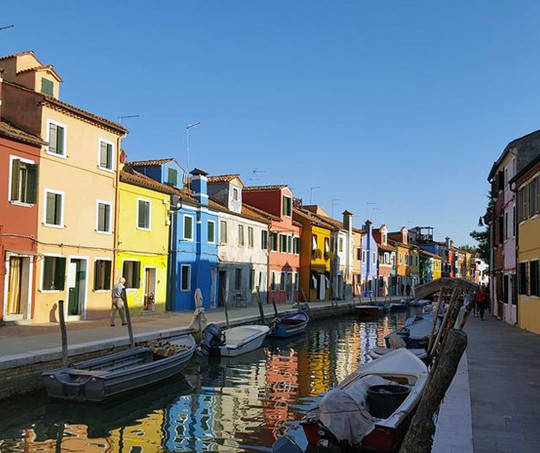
{"x": 213, "y": 286}
{"x": 150, "y": 288}
{"x": 18, "y": 288}
{"x": 76, "y": 287}
{"x": 222, "y": 297}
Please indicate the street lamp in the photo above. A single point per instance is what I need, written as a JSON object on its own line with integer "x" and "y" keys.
{"x": 188, "y": 127}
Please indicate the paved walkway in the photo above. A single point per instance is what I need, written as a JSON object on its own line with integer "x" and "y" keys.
{"x": 493, "y": 404}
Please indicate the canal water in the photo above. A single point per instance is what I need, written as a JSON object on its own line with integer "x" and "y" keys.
{"x": 228, "y": 404}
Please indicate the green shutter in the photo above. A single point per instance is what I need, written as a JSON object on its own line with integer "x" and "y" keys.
{"x": 47, "y": 281}
{"x": 49, "y": 206}
{"x": 15, "y": 179}
{"x": 60, "y": 140}
{"x": 97, "y": 268}
{"x": 107, "y": 276}
{"x": 31, "y": 196}
{"x": 136, "y": 274}
{"x": 57, "y": 209}
{"x": 53, "y": 138}
{"x": 60, "y": 274}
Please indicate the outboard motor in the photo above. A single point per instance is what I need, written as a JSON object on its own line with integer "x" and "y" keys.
{"x": 212, "y": 338}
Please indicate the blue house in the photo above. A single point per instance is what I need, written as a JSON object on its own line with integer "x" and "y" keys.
{"x": 193, "y": 256}
{"x": 370, "y": 254}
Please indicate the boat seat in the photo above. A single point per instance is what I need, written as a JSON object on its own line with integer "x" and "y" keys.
{"x": 125, "y": 364}
{"x": 94, "y": 373}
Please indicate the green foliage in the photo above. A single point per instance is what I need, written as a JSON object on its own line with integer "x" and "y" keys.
{"x": 482, "y": 237}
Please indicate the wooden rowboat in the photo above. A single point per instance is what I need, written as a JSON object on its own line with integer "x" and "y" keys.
{"x": 100, "y": 379}
{"x": 289, "y": 325}
{"x": 234, "y": 341}
{"x": 372, "y": 407}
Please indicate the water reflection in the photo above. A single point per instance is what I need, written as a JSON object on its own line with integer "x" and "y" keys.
{"x": 227, "y": 404}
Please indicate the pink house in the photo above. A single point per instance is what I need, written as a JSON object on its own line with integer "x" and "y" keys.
{"x": 275, "y": 202}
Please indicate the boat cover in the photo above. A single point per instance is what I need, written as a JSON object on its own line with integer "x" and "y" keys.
{"x": 344, "y": 411}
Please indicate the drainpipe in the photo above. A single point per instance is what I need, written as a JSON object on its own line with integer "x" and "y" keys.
{"x": 116, "y": 204}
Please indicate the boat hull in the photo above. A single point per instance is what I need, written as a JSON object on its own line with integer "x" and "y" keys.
{"x": 250, "y": 343}
{"x": 290, "y": 325}
{"x": 104, "y": 378}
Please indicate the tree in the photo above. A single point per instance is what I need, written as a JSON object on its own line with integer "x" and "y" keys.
{"x": 469, "y": 248}
{"x": 482, "y": 237}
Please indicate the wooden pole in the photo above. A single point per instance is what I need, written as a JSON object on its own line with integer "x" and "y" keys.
{"x": 448, "y": 320}
{"x": 63, "y": 332}
{"x": 261, "y": 311}
{"x": 275, "y": 308}
{"x": 128, "y": 319}
{"x": 225, "y": 306}
{"x": 419, "y": 437}
{"x": 435, "y": 319}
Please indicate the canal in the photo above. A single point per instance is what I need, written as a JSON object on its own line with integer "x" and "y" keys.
{"x": 234, "y": 405}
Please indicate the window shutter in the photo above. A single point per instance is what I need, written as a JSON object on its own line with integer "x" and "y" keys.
{"x": 15, "y": 178}
{"x": 58, "y": 209}
{"x": 60, "y": 274}
{"x": 103, "y": 161}
{"x": 97, "y": 273}
{"x": 31, "y": 196}
{"x": 107, "y": 276}
{"x": 47, "y": 281}
{"x": 60, "y": 140}
{"x": 136, "y": 274}
{"x": 53, "y": 138}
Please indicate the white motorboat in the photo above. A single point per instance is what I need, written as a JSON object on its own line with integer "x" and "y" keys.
{"x": 234, "y": 341}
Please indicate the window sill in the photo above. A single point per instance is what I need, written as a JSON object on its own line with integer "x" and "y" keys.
{"x": 51, "y": 153}
{"x": 108, "y": 170}
{"x": 22, "y": 204}
{"x": 106, "y": 233}
{"x": 51, "y": 291}
{"x": 144, "y": 229}
{"x": 101, "y": 291}
{"x": 53, "y": 226}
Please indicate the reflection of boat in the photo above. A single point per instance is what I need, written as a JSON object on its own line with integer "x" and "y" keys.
{"x": 106, "y": 377}
{"x": 361, "y": 414}
{"x": 399, "y": 306}
{"x": 365, "y": 311}
{"x": 234, "y": 341}
{"x": 415, "y": 333}
{"x": 289, "y": 325}
{"x": 419, "y": 302}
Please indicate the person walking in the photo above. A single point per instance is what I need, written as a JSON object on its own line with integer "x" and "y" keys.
{"x": 118, "y": 301}
{"x": 480, "y": 299}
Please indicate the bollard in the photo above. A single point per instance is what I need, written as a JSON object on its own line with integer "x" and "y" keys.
{"x": 63, "y": 331}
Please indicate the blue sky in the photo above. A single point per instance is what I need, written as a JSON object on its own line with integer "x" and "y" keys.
{"x": 394, "y": 110}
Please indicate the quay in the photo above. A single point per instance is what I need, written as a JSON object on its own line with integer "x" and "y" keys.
{"x": 491, "y": 405}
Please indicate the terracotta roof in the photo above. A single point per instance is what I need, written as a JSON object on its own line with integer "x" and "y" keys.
{"x": 223, "y": 178}
{"x": 387, "y": 248}
{"x": 401, "y": 244}
{"x": 144, "y": 163}
{"x": 359, "y": 230}
{"x": 137, "y": 179}
{"x": 261, "y": 212}
{"x": 12, "y": 132}
{"x": 313, "y": 218}
{"x": 60, "y": 105}
{"x": 257, "y": 188}
{"x": 20, "y": 54}
{"x": 432, "y": 255}
{"x": 39, "y": 68}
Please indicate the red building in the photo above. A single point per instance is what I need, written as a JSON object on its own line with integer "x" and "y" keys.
{"x": 19, "y": 163}
{"x": 284, "y": 239}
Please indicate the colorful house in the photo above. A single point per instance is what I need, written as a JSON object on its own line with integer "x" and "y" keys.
{"x": 430, "y": 266}
{"x": 76, "y": 226}
{"x": 400, "y": 241}
{"x": 358, "y": 234}
{"x": 315, "y": 255}
{"x": 385, "y": 261}
{"x": 143, "y": 240}
{"x": 370, "y": 252}
{"x": 242, "y": 244}
{"x": 284, "y": 239}
{"x": 527, "y": 184}
{"x": 19, "y": 169}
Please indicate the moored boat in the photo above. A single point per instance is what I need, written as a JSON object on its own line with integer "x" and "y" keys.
{"x": 289, "y": 325}
{"x": 372, "y": 407}
{"x": 100, "y": 379}
{"x": 234, "y": 341}
{"x": 365, "y": 311}
{"x": 415, "y": 333}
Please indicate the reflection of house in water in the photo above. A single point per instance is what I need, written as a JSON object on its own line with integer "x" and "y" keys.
{"x": 281, "y": 389}
{"x": 144, "y": 435}
{"x": 228, "y": 402}
{"x": 72, "y": 438}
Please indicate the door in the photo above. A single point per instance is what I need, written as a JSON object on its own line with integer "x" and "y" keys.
{"x": 14, "y": 286}
{"x": 150, "y": 288}
{"x": 290, "y": 287}
{"x": 222, "y": 288}
{"x": 213, "y": 286}
{"x": 76, "y": 286}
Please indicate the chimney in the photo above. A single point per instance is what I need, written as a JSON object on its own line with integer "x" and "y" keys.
{"x": 448, "y": 243}
{"x": 199, "y": 186}
{"x": 347, "y": 220}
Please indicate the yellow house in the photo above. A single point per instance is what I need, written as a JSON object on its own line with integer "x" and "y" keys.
{"x": 437, "y": 267}
{"x": 315, "y": 255}
{"x": 528, "y": 255}
{"x": 143, "y": 240}
{"x": 357, "y": 261}
{"x": 77, "y": 191}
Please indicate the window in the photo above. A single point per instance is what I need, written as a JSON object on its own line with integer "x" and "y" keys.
{"x": 250, "y": 237}
{"x": 252, "y": 279}
{"x": 273, "y": 281}
{"x": 314, "y": 242}
{"x": 535, "y": 278}
{"x": 289, "y": 244}
{"x": 102, "y": 275}
{"x": 283, "y": 243}
{"x": 264, "y": 240}
{"x": 222, "y": 232}
{"x": 188, "y": 227}
{"x": 47, "y": 86}
{"x": 238, "y": 279}
{"x": 282, "y": 282}
{"x": 54, "y": 273}
{"x": 185, "y": 275}
{"x": 506, "y": 225}
{"x": 514, "y": 220}
{"x": 23, "y": 181}
{"x": 172, "y": 177}
{"x": 400, "y": 258}
{"x": 341, "y": 244}
{"x": 374, "y": 257}
{"x": 274, "y": 241}
{"x": 326, "y": 245}
{"x": 103, "y": 217}
{"x": 241, "y": 240}
{"x": 235, "y": 194}
{"x": 286, "y": 206}
{"x": 211, "y": 231}
{"x": 131, "y": 271}
{"x": 533, "y": 197}
{"x": 57, "y": 139}
{"x": 296, "y": 246}
{"x": 54, "y": 212}
{"x": 106, "y": 155}
{"x": 523, "y": 278}
{"x": 359, "y": 253}
{"x": 364, "y": 256}
{"x": 143, "y": 214}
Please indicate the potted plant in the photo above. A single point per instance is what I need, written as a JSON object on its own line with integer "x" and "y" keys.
{"x": 316, "y": 253}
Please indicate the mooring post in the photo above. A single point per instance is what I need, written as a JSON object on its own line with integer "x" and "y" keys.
{"x": 128, "y": 319}
{"x": 419, "y": 437}
{"x": 275, "y": 308}
{"x": 63, "y": 331}
{"x": 261, "y": 310}
{"x": 225, "y": 306}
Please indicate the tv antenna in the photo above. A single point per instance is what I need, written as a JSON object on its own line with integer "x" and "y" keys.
{"x": 255, "y": 173}
{"x": 6, "y": 27}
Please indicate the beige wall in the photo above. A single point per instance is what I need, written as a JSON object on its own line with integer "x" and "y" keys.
{"x": 529, "y": 249}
